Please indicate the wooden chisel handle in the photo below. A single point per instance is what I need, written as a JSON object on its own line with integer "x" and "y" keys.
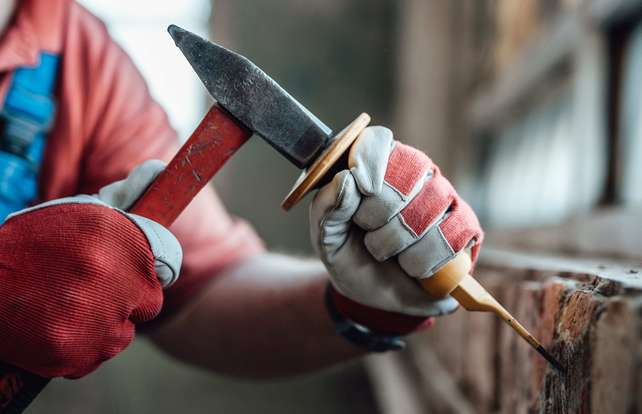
{"x": 214, "y": 141}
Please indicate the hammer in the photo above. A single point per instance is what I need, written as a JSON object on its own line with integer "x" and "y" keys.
{"x": 249, "y": 101}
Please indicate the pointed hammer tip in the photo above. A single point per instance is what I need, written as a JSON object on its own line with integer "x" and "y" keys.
{"x": 175, "y": 32}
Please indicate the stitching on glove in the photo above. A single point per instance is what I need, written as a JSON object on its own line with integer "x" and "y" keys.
{"x": 139, "y": 226}
{"x": 159, "y": 242}
{"x": 438, "y": 220}
{"x": 406, "y": 166}
{"x": 161, "y": 258}
{"x": 402, "y": 247}
{"x": 414, "y": 191}
{"x": 443, "y": 261}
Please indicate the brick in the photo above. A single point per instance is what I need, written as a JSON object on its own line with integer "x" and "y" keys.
{"x": 559, "y": 313}
{"x": 553, "y": 292}
{"x": 576, "y": 315}
{"x": 590, "y": 323}
{"x": 615, "y": 358}
{"x": 570, "y": 393}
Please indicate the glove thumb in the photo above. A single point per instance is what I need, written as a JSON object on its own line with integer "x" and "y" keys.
{"x": 124, "y": 193}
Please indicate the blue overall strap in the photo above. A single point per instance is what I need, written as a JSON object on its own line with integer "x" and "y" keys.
{"x": 25, "y": 120}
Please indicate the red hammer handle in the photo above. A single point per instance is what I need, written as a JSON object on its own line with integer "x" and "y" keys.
{"x": 214, "y": 141}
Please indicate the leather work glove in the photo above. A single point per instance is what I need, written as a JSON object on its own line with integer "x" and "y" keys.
{"x": 76, "y": 275}
{"x": 382, "y": 225}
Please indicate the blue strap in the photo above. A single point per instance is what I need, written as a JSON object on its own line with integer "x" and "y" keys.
{"x": 25, "y": 120}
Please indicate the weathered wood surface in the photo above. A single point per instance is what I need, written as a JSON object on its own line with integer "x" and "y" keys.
{"x": 586, "y": 312}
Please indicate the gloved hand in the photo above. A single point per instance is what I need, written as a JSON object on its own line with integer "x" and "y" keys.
{"x": 382, "y": 225}
{"x": 76, "y": 275}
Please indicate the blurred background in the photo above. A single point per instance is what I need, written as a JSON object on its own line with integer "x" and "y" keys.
{"x": 531, "y": 107}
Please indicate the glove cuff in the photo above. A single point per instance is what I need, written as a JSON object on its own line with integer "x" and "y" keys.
{"x": 379, "y": 321}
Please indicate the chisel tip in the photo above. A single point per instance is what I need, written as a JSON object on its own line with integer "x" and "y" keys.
{"x": 554, "y": 362}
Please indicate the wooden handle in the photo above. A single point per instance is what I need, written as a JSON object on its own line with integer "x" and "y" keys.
{"x": 446, "y": 279}
{"x": 453, "y": 279}
{"x": 214, "y": 141}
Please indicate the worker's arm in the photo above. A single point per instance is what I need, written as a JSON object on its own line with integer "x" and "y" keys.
{"x": 378, "y": 227}
{"x": 264, "y": 317}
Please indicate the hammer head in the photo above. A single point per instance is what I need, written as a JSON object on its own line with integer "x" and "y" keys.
{"x": 254, "y": 98}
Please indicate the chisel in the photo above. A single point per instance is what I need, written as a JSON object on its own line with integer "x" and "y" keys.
{"x": 454, "y": 279}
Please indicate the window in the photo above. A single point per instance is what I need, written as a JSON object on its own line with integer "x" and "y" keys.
{"x": 140, "y": 28}
{"x": 630, "y": 145}
{"x": 545, "y": 159}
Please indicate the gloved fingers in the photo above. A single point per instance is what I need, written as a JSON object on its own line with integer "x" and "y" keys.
{"x": 385, "y": 286}
{"x": 407, "y": 171}
{"x": 462, "y": 228}
{"x": 444, "y": 306}
{"x": 459, "y": 230}
{"x": 166, "y": 249}
{"x": 378, "y": 210}
{"x": 150, "y": 303}
{"x": 119, "y": 339}
{"x": 368, "y": 158}
{"x": 124, "y": 193}
{"x": 413, "y": 222}
{"x": 331, "y": 212}
{"x": 425, "y": 257}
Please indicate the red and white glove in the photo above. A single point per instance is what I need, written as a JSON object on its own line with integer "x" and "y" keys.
{"x": 76, "y": 275}
{"x": 382, "y": 225}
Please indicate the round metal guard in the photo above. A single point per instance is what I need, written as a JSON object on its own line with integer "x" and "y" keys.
{"x": 310, "y": 177}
